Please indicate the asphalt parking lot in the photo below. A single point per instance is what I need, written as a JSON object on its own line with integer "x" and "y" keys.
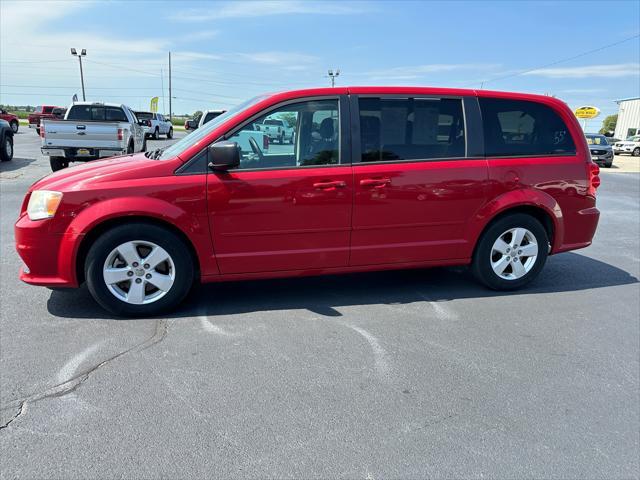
{"x": 408, "y": 374}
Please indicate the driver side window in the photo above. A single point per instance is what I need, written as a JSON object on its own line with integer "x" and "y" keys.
{"x": 298, "y": 134}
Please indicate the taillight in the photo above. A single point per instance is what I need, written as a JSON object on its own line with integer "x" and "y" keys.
{"x": 265, "y": 142}
{"x": 148, "y": 123}
{"x": 120, "y": 134}
{"x": 594, "y": 179}
{"x": 41, "y": 130}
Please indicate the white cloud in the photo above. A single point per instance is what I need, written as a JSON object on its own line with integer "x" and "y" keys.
{"x": 420, "y": 71}
{"x": 589, "y": 71}
{"x": 276, "y": 58}
{"x": 198, "y": 36}
{"x": 268, "y": 7}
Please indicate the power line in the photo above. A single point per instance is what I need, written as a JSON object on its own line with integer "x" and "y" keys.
{"x": 583, "y": 54}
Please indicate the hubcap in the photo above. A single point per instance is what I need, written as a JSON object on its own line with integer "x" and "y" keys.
{"x": 9, "y": 148}
{"x": 514, "y": 253}
{"x": 139, "y": 272}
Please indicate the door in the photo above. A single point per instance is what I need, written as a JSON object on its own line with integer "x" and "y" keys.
{"x": 415, "y": 184}
{"x": 287, "y": 206}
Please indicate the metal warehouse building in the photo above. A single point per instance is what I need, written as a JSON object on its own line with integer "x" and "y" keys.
{"x": 628, "y": 123}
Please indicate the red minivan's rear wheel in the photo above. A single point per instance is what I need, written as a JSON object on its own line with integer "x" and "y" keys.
{"x": 139, "y": 270}
{"x": 511, "y": 252}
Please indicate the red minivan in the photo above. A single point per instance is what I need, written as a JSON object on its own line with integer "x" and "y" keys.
{"x": 376, "y": 178}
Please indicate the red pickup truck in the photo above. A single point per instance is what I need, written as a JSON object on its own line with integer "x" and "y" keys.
{"x": 11, "y": 118}
{"x": 41, "y": 111}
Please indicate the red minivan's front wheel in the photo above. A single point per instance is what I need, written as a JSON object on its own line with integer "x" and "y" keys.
{"x": 139, "y": 270}
{"x": 511, "y": 252}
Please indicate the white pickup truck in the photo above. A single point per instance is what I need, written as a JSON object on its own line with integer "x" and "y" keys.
{"x": 277, "y": 130}
{"x": 90, "y": 131}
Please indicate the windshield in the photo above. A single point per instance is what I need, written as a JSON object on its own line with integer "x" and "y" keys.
{"x": 597, "y": 140}
{"x": 193, "y": 138}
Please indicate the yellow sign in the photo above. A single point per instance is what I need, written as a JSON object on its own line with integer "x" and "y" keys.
{"x": 154, "y": 105}
{"x": 587, "y": 112}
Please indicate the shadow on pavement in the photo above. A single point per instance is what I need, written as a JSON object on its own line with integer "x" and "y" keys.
{"x": 15, "y": 164}
{"x": 322, "y": 295}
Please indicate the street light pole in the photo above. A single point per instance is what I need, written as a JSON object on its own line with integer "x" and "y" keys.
{"x": 82, "y": 53}
{"x": 332, "y": 76}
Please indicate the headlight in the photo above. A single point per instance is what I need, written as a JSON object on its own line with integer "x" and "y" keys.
{"x": 43, "y": 204}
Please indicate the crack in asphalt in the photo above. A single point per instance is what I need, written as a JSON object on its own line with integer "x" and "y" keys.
{"x": 70, "y": 385}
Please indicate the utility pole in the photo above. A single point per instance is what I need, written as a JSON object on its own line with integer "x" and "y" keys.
{"x": 82, "y": 53}
{"x": 170, "y": 96}
{"x": 333, "y": 76}
{"x": 164, "y": 110}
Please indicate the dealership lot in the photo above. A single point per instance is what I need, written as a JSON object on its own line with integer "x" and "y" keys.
{"x": 396, "y": 374}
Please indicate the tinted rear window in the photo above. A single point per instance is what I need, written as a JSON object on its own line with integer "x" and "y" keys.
{"x": 515, "y": 127}
{"x": 144, "y": 115}
{"x": 47, "y": 109}
{"x": 97, "y": 113}
{"x": 411, "y": 129}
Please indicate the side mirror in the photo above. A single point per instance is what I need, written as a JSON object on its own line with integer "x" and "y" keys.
{"x": 224, "y": 156}
{"x": 192, "y": 124}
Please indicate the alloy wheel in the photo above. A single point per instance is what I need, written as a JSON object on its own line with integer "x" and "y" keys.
{"x": 514, "y": 253}
{"x": 139, "y": 272}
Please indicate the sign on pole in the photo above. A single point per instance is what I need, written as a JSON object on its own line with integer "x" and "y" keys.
{"x": 154, "y": 105}
{"x": 587, "y": 112}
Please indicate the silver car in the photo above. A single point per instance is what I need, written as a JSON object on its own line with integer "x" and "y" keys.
{"x": 601, "y": 151}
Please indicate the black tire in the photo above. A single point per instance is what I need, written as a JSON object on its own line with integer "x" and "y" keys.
{"x": 144, "y": 144}
{"x": 38, "y": 131}
{"x": 6, "y": 149}
{"x": 58, "y": 163}
{"x": 170, "y": 133}
{"x": 156, "y": 134}
{"x": 608, "y": 164}
{"x": 130, "y": 148}
{"x": 481, "y": 266}
{"x": 14, "y": 126}
{"x": 636, "y": 152}
{"x": 107, "y": 242}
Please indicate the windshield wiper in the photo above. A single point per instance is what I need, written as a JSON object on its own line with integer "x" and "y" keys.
{"x": 155, "y": 154}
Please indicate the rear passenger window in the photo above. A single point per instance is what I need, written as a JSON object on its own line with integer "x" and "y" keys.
{"x": 514, "y": 127}
{"x": 115, "y": 115}
{"x": 411, "y": 129}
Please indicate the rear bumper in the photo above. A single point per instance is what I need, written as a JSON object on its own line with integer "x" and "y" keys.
{"x": 72, "y": 152}
{"x": 580, "y": 231}
{"x": 48, "y": 257}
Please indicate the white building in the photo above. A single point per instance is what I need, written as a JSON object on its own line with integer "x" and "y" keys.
{"x": 628, "y": 123}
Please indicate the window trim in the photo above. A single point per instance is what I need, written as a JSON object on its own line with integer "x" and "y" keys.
{"x": 344, "y": 142}
{"x": 466, "y": 103}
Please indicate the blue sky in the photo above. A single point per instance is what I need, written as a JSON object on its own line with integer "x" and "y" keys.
{"x": 224, "y": 52}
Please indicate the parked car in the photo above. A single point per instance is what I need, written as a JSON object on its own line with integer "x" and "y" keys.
{"x": 90, "y": 131}
{"x": 630, "y": 145}
{"x": 277, "y": 130}
{"x": 199, "y": 121}
{"x": 11, "y": 119}
{"x": 432, "y": 177}
{"x": 601, "y": 151}
{"x": 611, "y": 140}
{"x": 155, "y": 124}
{"x": 41, "y": 111}
{"x": 6, "y": 141}
{"x": 59, "y": 112}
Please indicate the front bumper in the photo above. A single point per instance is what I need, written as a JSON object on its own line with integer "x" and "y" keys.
{"x": 602, "y": 159}
{"x": 49, "y": 258}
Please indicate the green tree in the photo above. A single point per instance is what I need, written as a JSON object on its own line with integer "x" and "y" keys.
{"x": 609, "y": 124}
